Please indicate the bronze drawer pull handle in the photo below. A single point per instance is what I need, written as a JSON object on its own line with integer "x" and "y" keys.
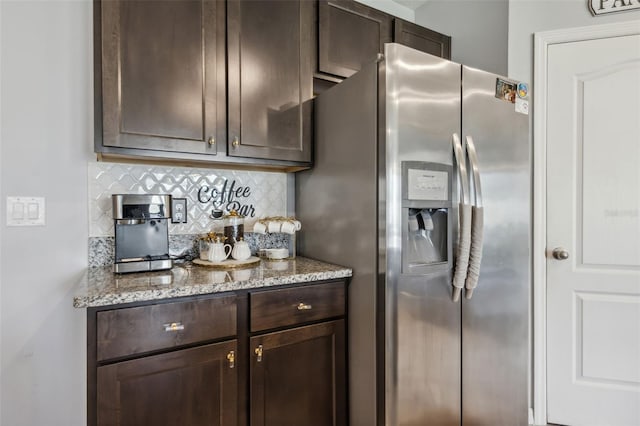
{"x": 231, "y": 357}
{"x": 258, "y": 352}
{"x": 304, "y": 307}
{"x": 173, "y": 326}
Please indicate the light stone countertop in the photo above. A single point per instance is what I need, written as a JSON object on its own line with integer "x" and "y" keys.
{"x": 101, "y": 287}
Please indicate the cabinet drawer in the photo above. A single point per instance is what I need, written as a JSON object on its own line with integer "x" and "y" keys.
{"x": 128, "y": 331}
{"x": 291, "y": 306}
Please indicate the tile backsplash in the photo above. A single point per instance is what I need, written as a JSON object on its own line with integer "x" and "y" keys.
{"x": 258, "y": 194}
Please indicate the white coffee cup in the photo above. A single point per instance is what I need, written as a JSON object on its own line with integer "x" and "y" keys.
{"x": 274, "y": 226}
{"x": 277, "y": 253}
{"x": 288, "y": 227}
{"x": 259, "y": 228}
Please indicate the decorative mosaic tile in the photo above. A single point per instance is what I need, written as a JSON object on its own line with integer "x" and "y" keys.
{"x": 255, "y": 194}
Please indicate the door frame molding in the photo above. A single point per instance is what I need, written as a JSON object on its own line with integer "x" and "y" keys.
{"x": 542, "y": 41}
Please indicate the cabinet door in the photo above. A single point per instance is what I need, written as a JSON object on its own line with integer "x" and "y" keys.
{"x": 193, "y": 387}
{"x": 349, "y": 34}
{"x": 162, "y": 75}
{"x": 298, "y": 377}
{"x": 421, "y": 38}
{"x": 270, "y": 79}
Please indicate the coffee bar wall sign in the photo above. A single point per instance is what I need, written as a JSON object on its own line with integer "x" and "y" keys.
{"x": 602, "y": 7}
{"x": 252, "y": 194}
{"x": 228, "y": 195}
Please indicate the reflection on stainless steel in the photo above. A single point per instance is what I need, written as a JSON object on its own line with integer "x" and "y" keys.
{"x": 129, "y": 221}
{"x": 423, "y": 354}
{"x": 121, "y": 201}
{"x": 495, "y": 321}
{"x": 423, "y": 359}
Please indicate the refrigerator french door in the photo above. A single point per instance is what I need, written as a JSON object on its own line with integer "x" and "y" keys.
{"x": 439, "y": 242}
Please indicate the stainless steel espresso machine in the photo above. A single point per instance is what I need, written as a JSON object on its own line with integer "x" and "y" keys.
{"x": 141, "y": 225}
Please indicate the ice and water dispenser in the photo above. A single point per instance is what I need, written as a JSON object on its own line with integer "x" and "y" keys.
{"x": 426, "y": 205}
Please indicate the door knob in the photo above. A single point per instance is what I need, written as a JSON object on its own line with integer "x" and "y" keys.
{"x": 560, "y": 254}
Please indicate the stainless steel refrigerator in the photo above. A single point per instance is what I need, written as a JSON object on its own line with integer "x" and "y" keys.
{"x": 437, "y": 233}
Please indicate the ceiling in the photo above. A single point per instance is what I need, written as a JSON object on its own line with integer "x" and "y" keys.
{"x": 411, "y": 4}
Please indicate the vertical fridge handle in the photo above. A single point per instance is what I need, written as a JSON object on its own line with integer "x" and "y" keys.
{"x": 477, "y": 221}
{"x": 464, "y": 233}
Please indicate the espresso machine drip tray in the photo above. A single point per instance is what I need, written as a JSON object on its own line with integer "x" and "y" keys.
{"x": 142, "y": 264}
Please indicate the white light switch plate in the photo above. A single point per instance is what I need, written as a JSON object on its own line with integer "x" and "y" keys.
{"x": 25, "y": 211}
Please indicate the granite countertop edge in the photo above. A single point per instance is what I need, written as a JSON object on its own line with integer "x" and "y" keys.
{"x": 97, "y": 287}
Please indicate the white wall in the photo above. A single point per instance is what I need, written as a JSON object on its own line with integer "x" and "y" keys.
{"x": 1, "y": 208}
{"x": 47, "y": 115}
{"x": 478, "y": 30}
{"x": 529, "y": 16}
{"x": 392, "y": 8}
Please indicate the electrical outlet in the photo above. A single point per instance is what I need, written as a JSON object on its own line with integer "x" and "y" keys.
{"x": 178, "y": 210}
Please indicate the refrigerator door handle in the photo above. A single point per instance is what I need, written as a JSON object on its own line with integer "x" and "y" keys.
{"x": 477, "y": 221}
{"x": 464, "y": 233}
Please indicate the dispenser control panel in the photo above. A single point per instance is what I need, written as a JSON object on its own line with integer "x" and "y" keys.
{"x": 427, "y": 185}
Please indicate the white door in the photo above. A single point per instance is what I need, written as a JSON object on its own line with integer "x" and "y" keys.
{"x": 593, "y": 215}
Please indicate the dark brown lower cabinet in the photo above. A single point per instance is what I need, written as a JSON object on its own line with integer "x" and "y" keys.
{"x": 262, "y": 357}
{"x": 194, "y": 387}
{"x": 298, "y": 376}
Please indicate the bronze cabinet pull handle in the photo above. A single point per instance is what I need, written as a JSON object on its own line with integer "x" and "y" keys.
{"x": 173, "y": 326}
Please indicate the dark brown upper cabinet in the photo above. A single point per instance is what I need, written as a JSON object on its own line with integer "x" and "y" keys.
{"x": 349, "y": 34}
{"x": 270, "y": 79}
{"x": 160, "y": 75}
{"x": 421, "y": 38}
